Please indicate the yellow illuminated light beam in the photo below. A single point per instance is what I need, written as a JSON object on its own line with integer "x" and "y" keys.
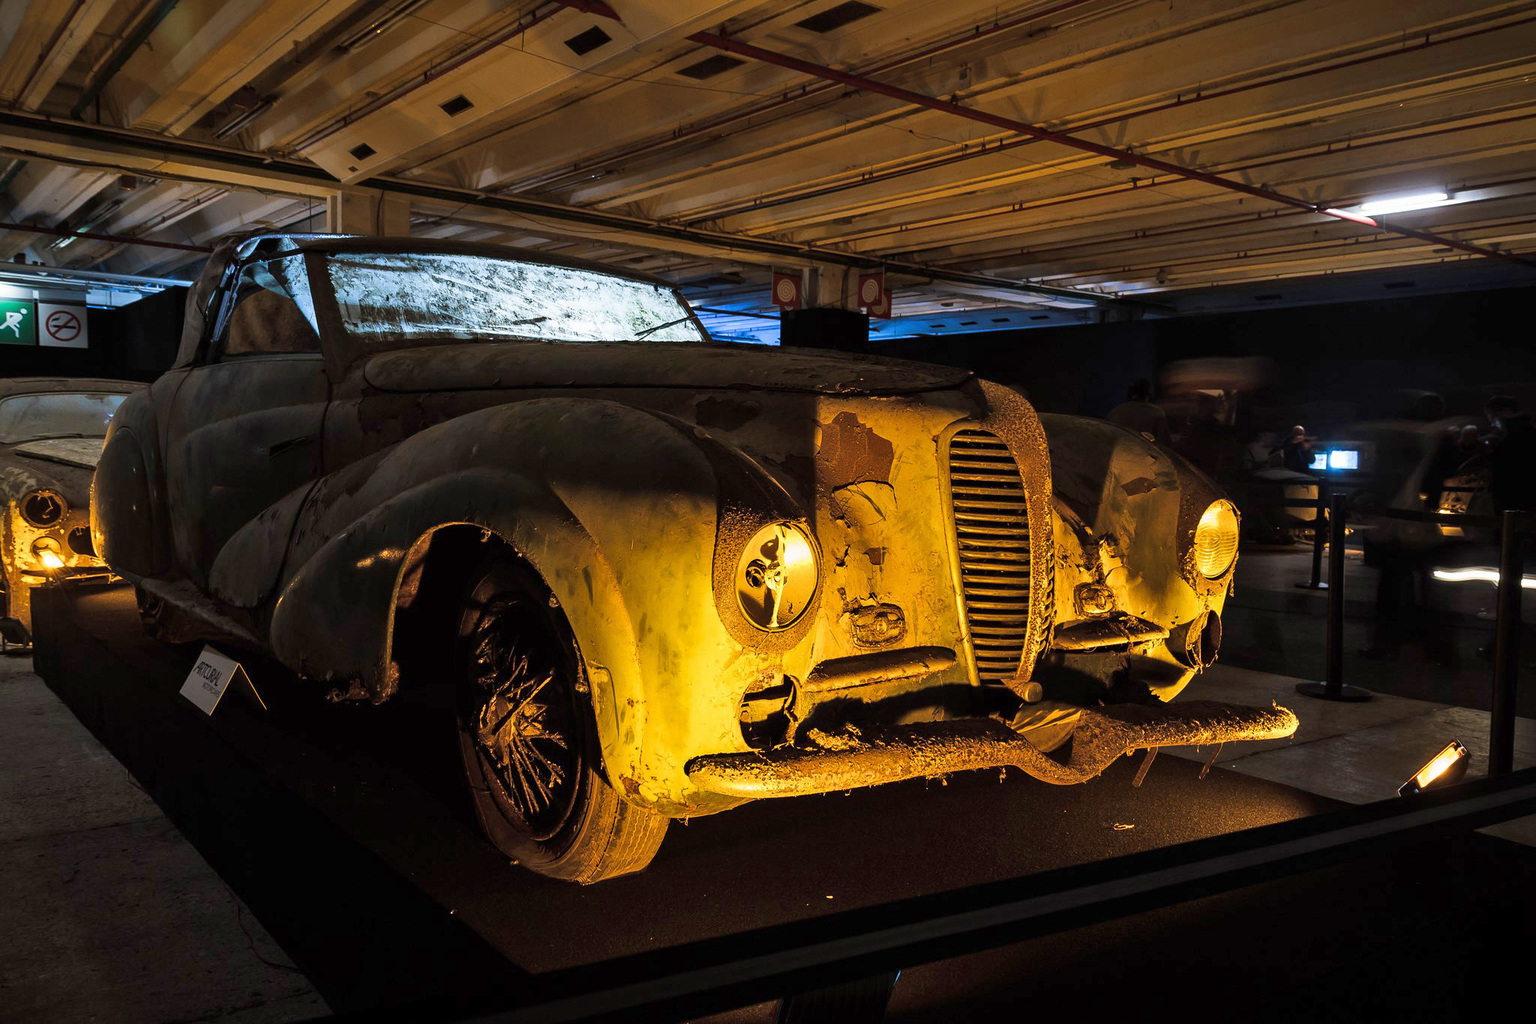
{"x": 1479, "y": 574}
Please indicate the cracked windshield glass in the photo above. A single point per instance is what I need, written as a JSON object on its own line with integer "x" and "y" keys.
{"x": 407, "y": 298}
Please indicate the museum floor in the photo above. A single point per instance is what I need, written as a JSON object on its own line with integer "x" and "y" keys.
{"x": 312, "y": 866}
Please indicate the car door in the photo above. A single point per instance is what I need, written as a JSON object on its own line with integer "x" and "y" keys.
{"x": 245, "y": 431}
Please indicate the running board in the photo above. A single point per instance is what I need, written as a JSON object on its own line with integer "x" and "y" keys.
{"x": 852, "y": 759}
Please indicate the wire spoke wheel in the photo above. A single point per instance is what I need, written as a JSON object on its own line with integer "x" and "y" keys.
{"x": 528, "y": 738}
{"x": 524, "y": 723}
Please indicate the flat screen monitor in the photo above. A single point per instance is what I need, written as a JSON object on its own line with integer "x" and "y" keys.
{"x": 1344, "y": 458}
{"x": 1319, "y": 461}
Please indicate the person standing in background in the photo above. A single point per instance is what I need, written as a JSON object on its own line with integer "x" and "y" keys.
{"x": 1139, "y": 413}
{"x": 1296, "y": 452}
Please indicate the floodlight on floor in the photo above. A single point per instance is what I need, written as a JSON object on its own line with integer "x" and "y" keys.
{"x": 1444, "y": 769}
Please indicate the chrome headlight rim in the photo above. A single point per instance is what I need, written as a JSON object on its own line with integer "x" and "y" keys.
{"x": 1214, "y": 552}
{"x": 43, "y": 508}
{"x": 777, "y": 576}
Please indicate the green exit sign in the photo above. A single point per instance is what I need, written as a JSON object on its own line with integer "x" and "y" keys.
{"x": 18, "y": 322}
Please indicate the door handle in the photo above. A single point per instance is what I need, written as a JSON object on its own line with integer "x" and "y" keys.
{"x": 283, "y": 446}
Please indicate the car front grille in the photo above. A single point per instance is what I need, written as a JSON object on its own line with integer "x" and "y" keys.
{"x": 992, "y": 539}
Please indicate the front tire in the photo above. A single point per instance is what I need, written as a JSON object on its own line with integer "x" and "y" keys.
{"x": 528, "y": 740}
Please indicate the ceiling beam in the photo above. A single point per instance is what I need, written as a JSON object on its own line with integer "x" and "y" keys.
{"x": 867, "y": 84}
{"x": 88, "y": 145}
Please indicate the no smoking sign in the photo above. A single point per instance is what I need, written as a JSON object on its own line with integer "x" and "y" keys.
{"x": 60, "y": 326}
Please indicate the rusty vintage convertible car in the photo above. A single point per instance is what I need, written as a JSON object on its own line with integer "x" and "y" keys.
{"x": 51, "y": 431}
{"x": 664, "y": 575}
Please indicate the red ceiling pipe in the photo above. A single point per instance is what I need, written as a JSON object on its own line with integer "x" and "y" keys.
{"x": 1181, "y": 101}
{"x": 1072, "y": 142}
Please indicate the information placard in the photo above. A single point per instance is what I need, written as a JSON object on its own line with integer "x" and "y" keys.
{"x": 212, "y": 676}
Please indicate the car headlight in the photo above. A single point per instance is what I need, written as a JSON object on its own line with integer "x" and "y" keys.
{"x": 43, "y": 508}
{"x": 1216, "y": 539}
{"x": 46, "y": 551}
{"x": 776, "y": 576}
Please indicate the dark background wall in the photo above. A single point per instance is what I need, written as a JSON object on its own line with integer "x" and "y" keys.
{"x": 1356, "y": 354}
{"x": 133, "y": 342}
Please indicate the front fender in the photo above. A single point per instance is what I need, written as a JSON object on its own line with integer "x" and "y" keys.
{"x": 1127, "y": 511}
{"x": 615, "y": 507}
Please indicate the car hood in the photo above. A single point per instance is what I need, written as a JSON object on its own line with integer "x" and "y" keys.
{"x": 82, "y": 452}
{"x": 593, "y": 364}
{"x": 21, "y": 473}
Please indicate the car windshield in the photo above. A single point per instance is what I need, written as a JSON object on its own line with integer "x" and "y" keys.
{"x": 59, "y": 414}
{"x": 393, "y": 299}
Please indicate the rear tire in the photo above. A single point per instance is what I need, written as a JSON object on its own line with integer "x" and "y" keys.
{"x": 528, "y": 740}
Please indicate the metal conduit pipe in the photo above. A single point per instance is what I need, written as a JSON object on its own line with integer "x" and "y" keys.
{"x": 1072, "y": 142}
{"x": 1132, "y": 186}
{"x": 120, "y": 57}
{"x": 1211, "y": 224}
{"x": 97, "y": 237}
{"x": 797, "y": 96}
{"x": 1004, "y": 145}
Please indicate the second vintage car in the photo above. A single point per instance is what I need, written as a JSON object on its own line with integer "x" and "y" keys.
{"x": 51, "y": 431}
{"x": 663, "y": 575}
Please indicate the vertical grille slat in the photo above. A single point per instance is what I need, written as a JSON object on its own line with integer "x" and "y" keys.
{"x": 991, "y": 524}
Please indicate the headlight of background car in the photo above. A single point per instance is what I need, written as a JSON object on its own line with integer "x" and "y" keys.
{"x": 43, "y": 508}
{"x": 1216, "y": 539}
{"x": 776, "y": 576}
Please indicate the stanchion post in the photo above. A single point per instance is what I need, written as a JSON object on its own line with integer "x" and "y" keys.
{"x": 1316, "y": 582}
{"x": 1506, "y": 647}
{"x": 1333, "y": 686}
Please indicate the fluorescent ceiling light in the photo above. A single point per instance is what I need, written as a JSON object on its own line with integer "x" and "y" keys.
{"x": 1402, "y": 203}
{"x": 1479, "y": 575}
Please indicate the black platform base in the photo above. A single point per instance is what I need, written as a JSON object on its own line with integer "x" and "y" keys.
{"x": 1342, "y": 692}
{"x": 345, "y": 831}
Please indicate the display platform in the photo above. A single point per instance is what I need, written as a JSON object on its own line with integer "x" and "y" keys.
{"x": 345, "y": 830}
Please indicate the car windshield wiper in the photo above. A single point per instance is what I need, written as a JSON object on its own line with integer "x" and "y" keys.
{"x": 658, "y": 327}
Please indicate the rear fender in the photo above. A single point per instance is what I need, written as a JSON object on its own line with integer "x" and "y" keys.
{"x": 128, "y": 521}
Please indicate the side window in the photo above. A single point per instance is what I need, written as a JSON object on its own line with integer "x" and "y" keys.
{"x": 271, "y": 313}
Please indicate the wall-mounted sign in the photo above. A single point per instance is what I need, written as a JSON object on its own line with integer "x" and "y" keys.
{"x": 873, "y": 297}
{"x": 786, "y": 290}
{"x": 61, "y": 326}
{"x": 18, "y": 322}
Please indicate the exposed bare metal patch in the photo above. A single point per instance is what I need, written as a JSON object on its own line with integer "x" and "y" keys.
{"x": 851, "y": 453}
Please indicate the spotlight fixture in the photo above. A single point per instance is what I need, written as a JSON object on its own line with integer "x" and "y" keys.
{"x": 1444, "y": 769}
{"x": 1402, "y": 203}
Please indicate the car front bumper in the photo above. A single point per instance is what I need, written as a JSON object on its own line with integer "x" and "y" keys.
{"x": 851, "y": 759}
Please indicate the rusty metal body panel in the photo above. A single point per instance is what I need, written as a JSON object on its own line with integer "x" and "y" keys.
{"x": 58, "y": 468}
{"x": 298, "y": 495}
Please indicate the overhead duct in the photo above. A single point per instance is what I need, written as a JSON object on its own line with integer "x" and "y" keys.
{"x": 501, "y": 74}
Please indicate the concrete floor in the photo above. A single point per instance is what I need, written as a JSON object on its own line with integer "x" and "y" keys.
{"x": 109, "y": 914}
{"x": 1272, "y": 626}
{"x": 1357, "y": 752}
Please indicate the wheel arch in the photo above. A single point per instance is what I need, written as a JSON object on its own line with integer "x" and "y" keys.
{"x": 338, "y": 618}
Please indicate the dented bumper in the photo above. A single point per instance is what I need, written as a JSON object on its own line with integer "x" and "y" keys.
{"x": 854, "y": 759}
